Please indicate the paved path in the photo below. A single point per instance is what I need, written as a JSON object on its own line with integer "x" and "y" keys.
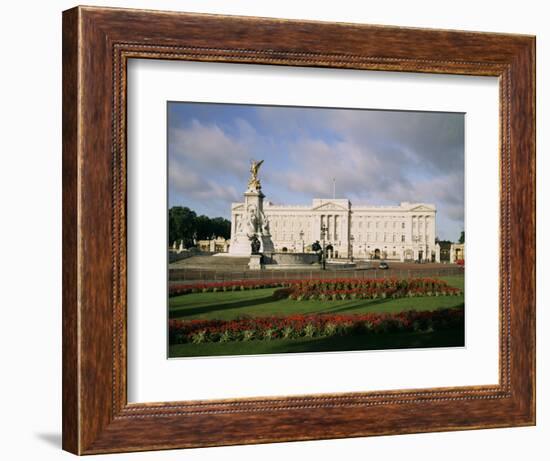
{"x": 212, "y": 263}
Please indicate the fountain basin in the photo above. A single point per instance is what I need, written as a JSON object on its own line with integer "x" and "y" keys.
{"x": 282, "y": 260}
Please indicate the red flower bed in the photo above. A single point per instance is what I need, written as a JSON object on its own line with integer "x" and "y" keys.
{"x": 315, "y": 325}
{"x": 367, "y": 289}
{"x": 331, "y": 289}
{"x": 234, "y": 285}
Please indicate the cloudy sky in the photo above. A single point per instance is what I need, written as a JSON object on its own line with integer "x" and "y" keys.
{"x": 376, "y": 157}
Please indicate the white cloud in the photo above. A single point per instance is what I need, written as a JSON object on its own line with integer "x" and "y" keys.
{"x": 207, "y": 147}
{"x": 359, "y": 172}
{"x": 192, "y": 185}
{"x": 377, "y": 157}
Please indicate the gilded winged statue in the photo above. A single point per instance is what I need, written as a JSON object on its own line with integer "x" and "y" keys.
{"x": 254, "y": 182}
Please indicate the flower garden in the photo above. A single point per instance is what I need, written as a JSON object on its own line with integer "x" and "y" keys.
{"x": 342, "y": 289}
{"x": 310, "y": 326}
{"x": 334, "y": 289}
{"x": 249, "y": 316}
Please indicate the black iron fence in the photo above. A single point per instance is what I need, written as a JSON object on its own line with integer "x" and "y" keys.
{"x": 209, "y": 275}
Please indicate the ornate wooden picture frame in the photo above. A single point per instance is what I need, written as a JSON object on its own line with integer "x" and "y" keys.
{"x": 97, "y": 44}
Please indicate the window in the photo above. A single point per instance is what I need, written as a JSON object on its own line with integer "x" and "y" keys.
{"x": 403, "y": 238}
{"x": 402, "y": 225}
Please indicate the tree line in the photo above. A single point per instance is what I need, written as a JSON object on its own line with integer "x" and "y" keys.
{"x": 448, "y": 242}
{"x": 184, "y": 224}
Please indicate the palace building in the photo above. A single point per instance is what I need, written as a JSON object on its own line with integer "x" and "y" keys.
{"x": 402, "y": 233}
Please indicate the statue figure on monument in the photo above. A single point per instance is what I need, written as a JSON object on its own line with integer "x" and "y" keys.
{"x": 252, "y": 221}
{"x": 255, "y": 245}
{"x": 254, "y": 183}
{"x": 264, "y": 223}
{"x": 239, "y": 224}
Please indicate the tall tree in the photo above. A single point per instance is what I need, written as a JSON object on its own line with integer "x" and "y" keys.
{"x": 203, "y": 227}
{"x": 181, "y": 224}
{"x": 221, "y": 227}
{"x": 461, "y": 239}
{"x": 184, "y": 224}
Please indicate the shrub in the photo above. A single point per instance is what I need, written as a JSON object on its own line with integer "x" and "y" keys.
{"x": 269, "y": 333}
{"x": 225, "y": 337}
{"x": 288, "y": 332}
{"x": 282, "y": 293}
{"x": 199, "y": 337}
{"x": 330, "y": 329}
{"x": 309, "y": 330}
{"x": 248, "y": 335}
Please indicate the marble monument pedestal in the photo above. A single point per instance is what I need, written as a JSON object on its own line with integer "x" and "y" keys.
{"x": 240, "y": 246}
{"x": 255, "y": 263}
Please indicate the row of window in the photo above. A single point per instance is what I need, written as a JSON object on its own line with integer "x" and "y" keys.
{"x": 390, "y": 224}
{"x": 369, "y": 237}
{"x": 377, "y": 224}
{"x": 387, "y": 237}
{"x": 293, "y": 224}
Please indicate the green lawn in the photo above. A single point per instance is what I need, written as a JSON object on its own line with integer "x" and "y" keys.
{"x": 259, "y": 303}
{"x": 454, "y": 280}
{"x": 447, "y": 338}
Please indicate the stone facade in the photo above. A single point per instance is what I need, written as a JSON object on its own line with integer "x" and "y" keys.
{"x": 403, "y": 232}
{"x": 457, "y": 252}
{"x": 216, "y": 245}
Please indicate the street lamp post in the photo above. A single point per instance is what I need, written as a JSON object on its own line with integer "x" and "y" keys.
{"x": 351, "y": 239}
{"x": 324, "y": 230}
{"x": 302, "y": 239}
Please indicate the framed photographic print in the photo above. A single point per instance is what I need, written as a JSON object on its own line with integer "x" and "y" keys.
{"x": 308, "y": 278}
{"x": 284, "y": 230}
